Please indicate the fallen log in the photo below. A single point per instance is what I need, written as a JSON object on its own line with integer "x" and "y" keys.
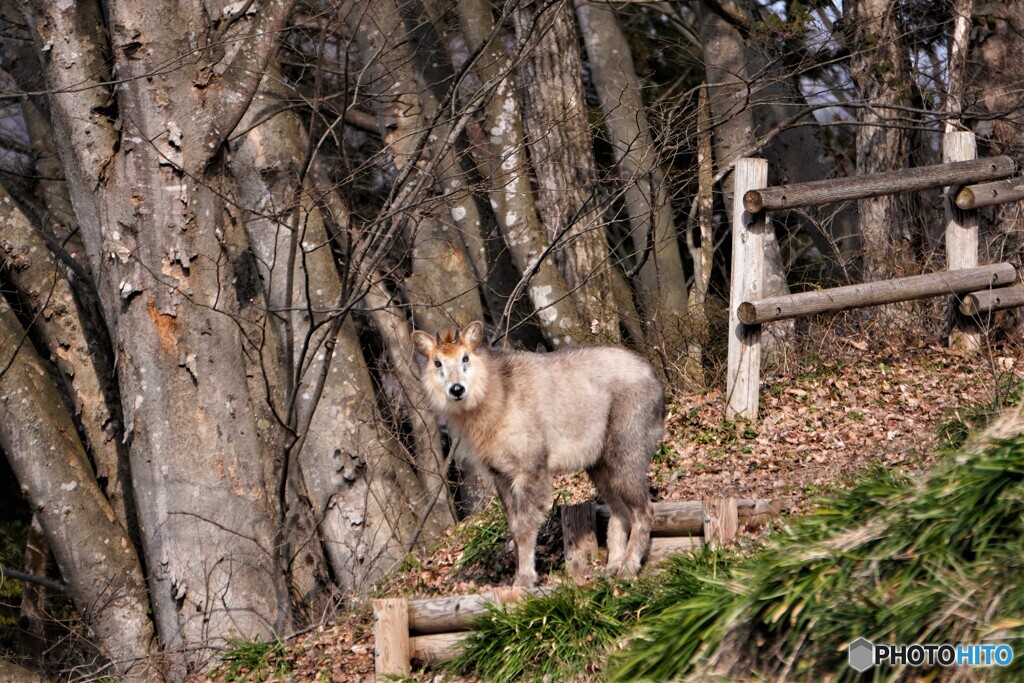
{"x": 436, "y": 647}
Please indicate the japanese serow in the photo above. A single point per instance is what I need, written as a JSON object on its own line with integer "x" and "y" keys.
{"x": 523, "y": 417}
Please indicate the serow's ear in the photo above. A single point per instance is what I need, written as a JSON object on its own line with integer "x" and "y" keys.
{"x": 473, "y": 334}
{"x": 424, "y": 343}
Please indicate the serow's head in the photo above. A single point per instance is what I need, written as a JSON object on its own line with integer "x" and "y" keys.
{"x": 450, "y": 366}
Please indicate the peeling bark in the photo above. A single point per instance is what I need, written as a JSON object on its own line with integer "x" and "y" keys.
{"x": 93, "y": 551}
{"x": 61, "y": 324}
{"x": 153, "y": 211}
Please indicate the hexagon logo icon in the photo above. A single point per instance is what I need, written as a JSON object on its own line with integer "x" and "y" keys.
{"x": 861, "y": 654}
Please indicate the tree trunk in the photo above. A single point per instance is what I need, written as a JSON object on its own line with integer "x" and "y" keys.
{"x": 153, "y": 211}
{"x": 446, "y": 270}
{"x": 293, "y": 305}
{"x": 432, "y": 66}
{"x": 93, "y": 551}
{"x": 561, "y": 146}
{"x": 61, "y": 324}
{"x": 703, "y": 254}
{"x": 995, "y": 111}
{"x": 880, "y": 68}
{"x": 959, "y": 44}
{"x": 365, "y": 496}
{"x": 394, "y": 329}
{"x": 50, "y": 194}
{"x": 733, "y": 122}
{"x": 439, "y": 48}
{"x": 32, "y": 613}
{"x": 995, "y": 104}
{"x": 653, "y": 230}
{"x": 504, "y": 157}
{"x": 797, "y": 154}
{"x": 443, "y": 285}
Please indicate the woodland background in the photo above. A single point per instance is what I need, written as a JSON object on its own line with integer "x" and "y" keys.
{"x": 221, "y": 222}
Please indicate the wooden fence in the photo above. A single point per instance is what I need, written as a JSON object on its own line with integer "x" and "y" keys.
{"x": 430, "y": 630}
{"x": 980, "y": 289}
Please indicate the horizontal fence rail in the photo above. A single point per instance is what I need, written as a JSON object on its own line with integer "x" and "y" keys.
{"x": 978, "y": 303}
{"x": 821, "y": 192}
{"x": 875, "y": 293}
{"x": 990, "y": 194}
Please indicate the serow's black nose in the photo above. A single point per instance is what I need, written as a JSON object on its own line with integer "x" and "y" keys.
{"x": 457, "y": 390}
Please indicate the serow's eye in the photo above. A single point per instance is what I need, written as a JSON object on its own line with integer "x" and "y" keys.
{"x": 437, "y": 363}
{"x": 465, "y": 359}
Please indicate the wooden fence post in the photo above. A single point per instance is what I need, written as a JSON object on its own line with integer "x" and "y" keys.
{"x": 961, "y": 240}
{"x": 579, "y": 537}
{"x": 747, "y": 284}
{"x": 721, "y": 520}
{"x": 390, "y": 638}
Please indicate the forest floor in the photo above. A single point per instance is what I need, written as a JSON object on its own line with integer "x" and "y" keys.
{"x": 823, "y": 418}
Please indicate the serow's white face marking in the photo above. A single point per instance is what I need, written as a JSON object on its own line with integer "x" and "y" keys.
{"x": 454, "y": 373}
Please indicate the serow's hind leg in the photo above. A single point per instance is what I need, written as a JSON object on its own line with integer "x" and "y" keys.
{"x": 641, "y": 515}
{"x": 632, "y": 516}
{"x": 632, "y": 489}
{"x": 619, "y": 523}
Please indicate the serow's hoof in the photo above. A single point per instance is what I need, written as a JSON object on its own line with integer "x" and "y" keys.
{"x": 525, "y": 581}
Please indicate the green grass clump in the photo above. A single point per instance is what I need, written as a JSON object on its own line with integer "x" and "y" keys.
{"x": 936, "y": 561}
{"x": 569, "y": 633}
{"x": 484, "y": 536}
{"x": 255, "y": 661}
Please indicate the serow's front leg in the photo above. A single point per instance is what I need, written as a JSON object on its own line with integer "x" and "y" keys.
{"x": 526, "y": 503}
